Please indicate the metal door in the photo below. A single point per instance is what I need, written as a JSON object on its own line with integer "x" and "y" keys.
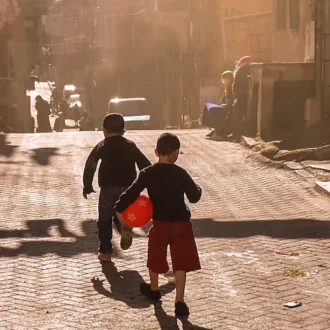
{"x": 326, "y": 56}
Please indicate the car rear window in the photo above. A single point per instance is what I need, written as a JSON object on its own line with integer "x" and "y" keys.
{"x": 129, "y": 108}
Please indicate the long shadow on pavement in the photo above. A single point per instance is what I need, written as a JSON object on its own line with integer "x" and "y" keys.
{"x": 276, "y": 228}
{"x": 6, "y": 149}
{"x": 279, "y": 228}
{"x": 167, "y": 322}
{"x": 67, "y": 244}
{"x": 38, "y": 240}
{"x": 125, "y": 286}
{"x": 42, "y": 155}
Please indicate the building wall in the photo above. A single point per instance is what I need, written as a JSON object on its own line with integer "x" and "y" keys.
{"x": 293, "y": 38}
{"x": 247, "y": 29}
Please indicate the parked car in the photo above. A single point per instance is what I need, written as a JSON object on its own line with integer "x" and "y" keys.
{"x": 75, "y": 96}
{"x": 69, "y": 90}
{"x": 135, "y": 111}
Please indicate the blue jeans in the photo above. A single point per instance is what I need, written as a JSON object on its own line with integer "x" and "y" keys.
{"x": 107, "y": 201}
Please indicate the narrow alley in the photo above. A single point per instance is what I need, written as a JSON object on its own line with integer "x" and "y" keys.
{"x": 251, "y": 218}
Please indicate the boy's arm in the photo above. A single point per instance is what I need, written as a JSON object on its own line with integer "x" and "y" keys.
{"x": 141, "y": 160}
{"x": 193, "y": 191}
{"x": 89, "y": 171}
{"x": 131, "y": 194}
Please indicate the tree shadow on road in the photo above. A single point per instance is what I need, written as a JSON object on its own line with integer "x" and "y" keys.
{"x": 42, "y": 155}
{"x": 125, "y": 286}
{"x": 12, "y": 162}
{"x": 51, "y": 236}
{"x": 276, "y": 228}
{"x": 6, "y": 149}
{"x": 38, "y": 239}
{"x": 279, "y": 228}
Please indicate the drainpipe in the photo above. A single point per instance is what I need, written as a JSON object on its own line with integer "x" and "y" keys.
{"x": 319, "y": 26}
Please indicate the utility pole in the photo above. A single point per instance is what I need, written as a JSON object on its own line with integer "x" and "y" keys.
{"x": 157, "y": 105}
{"x": 191, "y": 60}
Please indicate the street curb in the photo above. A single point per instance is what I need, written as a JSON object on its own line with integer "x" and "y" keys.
{"x": 323, "y": 187}
{"x": 293, "y": 166}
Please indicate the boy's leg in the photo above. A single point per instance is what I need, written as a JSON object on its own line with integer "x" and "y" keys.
{"x": 126, "y": 233}
{"x": 157, "y": 263}
{"x": 154, "y": 280}
{"x": 184, "y": 259}
{"x": 180, "y": 285}
{"x": 117, "y": 223}
{"x": 126, "y": 237}
{"x": 104, "y": 225}
{"x": 151, "y": 290}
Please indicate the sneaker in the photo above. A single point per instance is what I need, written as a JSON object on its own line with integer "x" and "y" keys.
{"x": 216, "y": 137}
{"x": 126, "y": 238}
{"x": 181, "y": 309}
{"x": 104, "y": 257}
{"x": 146, "y": 291}
{"x": 211, "y": 133}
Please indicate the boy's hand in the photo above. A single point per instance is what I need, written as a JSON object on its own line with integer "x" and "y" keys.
{"x": 87, "y": 192}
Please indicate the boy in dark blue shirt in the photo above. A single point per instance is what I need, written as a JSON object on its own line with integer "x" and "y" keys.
{"x": 167, "y": 184}
{"x": 119, "y": 156}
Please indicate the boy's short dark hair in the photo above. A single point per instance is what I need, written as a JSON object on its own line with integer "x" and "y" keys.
{"x": 114, "y": 123}
{"x": 167, "y": 143}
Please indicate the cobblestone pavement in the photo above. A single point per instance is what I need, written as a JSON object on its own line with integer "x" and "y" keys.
{"x": 50, "y": 277}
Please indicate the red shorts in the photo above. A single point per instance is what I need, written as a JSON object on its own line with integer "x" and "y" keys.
{"x": 180, "y": 237}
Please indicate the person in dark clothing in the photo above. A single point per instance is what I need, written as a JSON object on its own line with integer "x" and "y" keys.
{"x": 76, "y": 114}
{"x": 86, "y": 123}
{"x": 119, "y": 157}
{"x": 241, "y": 95}
{"x": 43, "y": 109}
{"x": 59, "y": 122}
{"x": 55, "y": 101}
{"x": 167, "y": 184}
{"x": 64, "y": 108}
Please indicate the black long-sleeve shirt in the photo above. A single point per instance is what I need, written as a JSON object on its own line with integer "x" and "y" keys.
{"x": 118, "y": 157}
{"x": 166, "y": 184}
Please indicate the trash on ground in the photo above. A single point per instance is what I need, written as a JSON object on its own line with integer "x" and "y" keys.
{"x": 294, "y": 273}
{"x": 293, "y": 304}
{"x": 292, "y": 254}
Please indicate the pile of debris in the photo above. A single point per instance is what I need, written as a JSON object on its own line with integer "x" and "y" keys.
{"x": 312, "y": 143}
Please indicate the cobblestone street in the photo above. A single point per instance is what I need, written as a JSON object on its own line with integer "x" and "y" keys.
{"x": 251, "y": 215}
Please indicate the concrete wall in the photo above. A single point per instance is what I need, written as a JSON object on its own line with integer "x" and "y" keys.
{"x": 297, "y": 45}
{"x": 247, "y": 29}
{"x": 294, "y": 45}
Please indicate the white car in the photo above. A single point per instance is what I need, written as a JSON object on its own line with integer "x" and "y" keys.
{"x": 134, "y": 110}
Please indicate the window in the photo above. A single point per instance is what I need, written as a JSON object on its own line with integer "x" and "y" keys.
{"x": 294, "y": 14}
{"x": 174, "y": 5}
{"x": 281, "y": 14}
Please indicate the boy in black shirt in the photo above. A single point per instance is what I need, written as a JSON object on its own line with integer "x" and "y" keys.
{"x": 167, "y": 184}
{"x": 117, "y": 172}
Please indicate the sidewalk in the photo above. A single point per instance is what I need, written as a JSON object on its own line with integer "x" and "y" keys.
{"x": 250, "y": 214}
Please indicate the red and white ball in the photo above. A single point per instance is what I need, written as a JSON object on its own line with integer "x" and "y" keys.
{"x": 139, "y": 213}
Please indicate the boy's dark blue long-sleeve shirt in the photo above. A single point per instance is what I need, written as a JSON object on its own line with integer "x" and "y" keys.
{"x": 119, "y": 157}
{"x": 167, "y": 184}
